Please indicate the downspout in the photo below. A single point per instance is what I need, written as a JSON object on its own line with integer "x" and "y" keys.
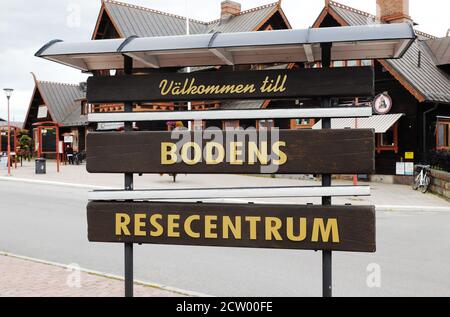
{"x": 424, "y": 127}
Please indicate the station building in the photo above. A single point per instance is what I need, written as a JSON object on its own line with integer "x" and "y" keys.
{"x": 412, "y": 107}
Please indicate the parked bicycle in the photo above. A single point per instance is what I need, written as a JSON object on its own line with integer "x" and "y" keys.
{"x": 423, "y": 179}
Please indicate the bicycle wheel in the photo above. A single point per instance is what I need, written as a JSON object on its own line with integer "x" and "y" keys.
{"x": 416, "y": 184}
{"x": 426, "y": 185}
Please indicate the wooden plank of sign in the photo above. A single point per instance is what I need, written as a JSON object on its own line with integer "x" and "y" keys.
{"x": 203, "y": 86}
{"x": 336, "y": 228}
{"x": 227, "y": 193}
{"x": 292, "y": 152}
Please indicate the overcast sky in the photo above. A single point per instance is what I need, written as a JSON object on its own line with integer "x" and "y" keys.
{"x": 26, "y": 25}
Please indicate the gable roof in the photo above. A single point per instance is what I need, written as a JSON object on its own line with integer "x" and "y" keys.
{"x": 441, "y": 50}
{"x": 62, "y": 101}
{"x": 416, "y": 70}
{"x": 135, "y": 20}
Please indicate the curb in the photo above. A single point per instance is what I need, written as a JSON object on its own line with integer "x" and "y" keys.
{"x": 392, "y": 208}
{"x": 108, "y": 276}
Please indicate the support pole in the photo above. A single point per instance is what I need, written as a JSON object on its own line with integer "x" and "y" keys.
{"x": 327, "y": 281}
{"x": 9, "y": 141}
{"x": 129, "y": 185}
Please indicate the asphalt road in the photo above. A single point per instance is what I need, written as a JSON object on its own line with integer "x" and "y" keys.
{"x": 49, "y": 223}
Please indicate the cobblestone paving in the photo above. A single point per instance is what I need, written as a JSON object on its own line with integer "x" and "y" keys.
{"x": 23, "y": 278}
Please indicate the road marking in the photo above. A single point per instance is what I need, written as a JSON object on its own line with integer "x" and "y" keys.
{"x": 109, "y": 276}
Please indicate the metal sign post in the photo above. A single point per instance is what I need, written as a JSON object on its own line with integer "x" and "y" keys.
{"x": 327, "y": 258}
{"x": 129, "y": 186}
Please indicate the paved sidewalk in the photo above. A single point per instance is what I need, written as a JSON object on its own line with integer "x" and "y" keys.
{"x": 27, "y": 278}
{"x": 385, "y": 196}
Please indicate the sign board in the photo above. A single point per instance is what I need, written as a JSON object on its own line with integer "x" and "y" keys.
{"x": 336, "y": 228}
{"x": 269, "y": 84}
{"x": 409, "y": 169}
{"x": 400, "y": 168}
{"x": 405, "y": 169}
{"x": 409, "y": 155}
{"x": 382, "y": 104}
{"x": 104, "y": 126}
{"x": 233, "y": 152}
{"x": 42, "y": 112}
{"x": 68, "y": 139}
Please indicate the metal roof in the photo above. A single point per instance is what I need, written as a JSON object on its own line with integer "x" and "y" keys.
{"x": 265, "y": 47}
{"x": 60, "y": 100}
{"x": 143, "y": 22}
{"x": 133, "y": 20}
{"x": 381, "y": 123}
{"x": 431, "y": 82}
{"x": 247, "y": 21}
{"x": 441, "y": 50}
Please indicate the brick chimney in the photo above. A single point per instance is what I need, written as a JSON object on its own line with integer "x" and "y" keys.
{"x": 229, "y": 9}
{"x": 393, "y": 11}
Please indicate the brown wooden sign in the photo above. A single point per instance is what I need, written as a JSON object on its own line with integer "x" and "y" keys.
{"x": 233, "y": 152}
{"x": 343, "y": 228}
{"x": 203, "y": 86}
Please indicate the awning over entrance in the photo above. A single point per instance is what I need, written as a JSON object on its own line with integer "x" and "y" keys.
{"x": 381, "y": 123}
{"x": 280, "y": 46}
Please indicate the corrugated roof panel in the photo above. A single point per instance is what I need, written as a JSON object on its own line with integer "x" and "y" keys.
{"x": 381, "y": 123}
{"x": 134, "y": 20}
{"x": 441, "y": 50}
{"x": 245, "y": 22}
{"x": 427, "y": 79}
{"x": 60, "y": 99}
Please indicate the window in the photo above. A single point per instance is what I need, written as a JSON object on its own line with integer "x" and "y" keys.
{"x": 366, "y": 62}
{"x": 388, "y": 141}
{"x": 443, "y": 135}
{"x": 352, "y": 63}
{"x": 338, "y": 64}
{"x": 302, "y": 124}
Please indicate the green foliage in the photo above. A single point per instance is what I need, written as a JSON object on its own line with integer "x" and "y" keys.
{"x": 25, "y": 145}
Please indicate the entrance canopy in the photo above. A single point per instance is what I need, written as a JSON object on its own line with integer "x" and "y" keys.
{"x": 280, "y": 46}
{"x": 381, "y": 123}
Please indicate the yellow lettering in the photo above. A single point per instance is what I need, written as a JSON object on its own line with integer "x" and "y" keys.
{"x": 290, "y": 230}
{"x": 261, "y": 155}
{"x": 235, "y": 152}
{"x": 163, "y": 86}
{"x": 253, "y": 223}
{"x": 188, "y": 227}
{"x": 276, "y": 148}
{"x": 122, "y": 223}
{"x": 172, "y": 225}
{"x": 210, "y": 160}
{"x": 168, "y": 153}
{"x": 158, "y": 232}
{"x": 139, "y": 224}
{"x": 273, "y": 225}
{"x": 197, "y": 153}
{"x": 210, "y": 226}
{"x": 236, "y": 227}
{"x": 331, "y": 228}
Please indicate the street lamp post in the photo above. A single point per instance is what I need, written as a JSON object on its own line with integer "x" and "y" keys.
{"x": 8, "y": 92}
